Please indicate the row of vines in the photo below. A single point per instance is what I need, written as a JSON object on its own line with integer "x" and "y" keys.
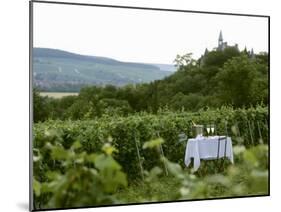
{"x": 127, "y": 134}
{"x": 56, "y": 143}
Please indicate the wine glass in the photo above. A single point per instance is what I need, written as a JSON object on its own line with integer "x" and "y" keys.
{"x": 213, "y": 129}
{"x": 208, "y": 129}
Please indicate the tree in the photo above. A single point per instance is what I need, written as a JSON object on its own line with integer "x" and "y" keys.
{"x": 184, "y": 60}
{"x": 235, "y": 81}
{"x": 188, "y": 102}
{"x": 41, "y": 107}
{"x": 218, "y": 58}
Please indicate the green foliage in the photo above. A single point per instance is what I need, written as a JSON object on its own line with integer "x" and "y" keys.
{"x": 106, "y": 145}
{"x": 184, "y": 60}
{"x": 71, "y": 177}
{"x": 240, "y": 83}
{"x": 41, "y": 107}
{"x": 248, "y": 176}
{"x": 218, "y": 58}
{"x": 71, "y": 171}
{"x": 220, "y": 78}
{"x": 153, "y": 143}
{"x": 248, "y": 127}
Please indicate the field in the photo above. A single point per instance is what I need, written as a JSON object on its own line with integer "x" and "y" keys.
{"x": 58, "y": 95}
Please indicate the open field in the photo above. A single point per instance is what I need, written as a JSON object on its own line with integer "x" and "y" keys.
{"x": 58, "y": 95}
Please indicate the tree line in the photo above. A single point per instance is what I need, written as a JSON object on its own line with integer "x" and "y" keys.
{"x": 229, "y": 77}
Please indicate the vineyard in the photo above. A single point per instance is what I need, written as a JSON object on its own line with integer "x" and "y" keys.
{"x": 115, "y": 156}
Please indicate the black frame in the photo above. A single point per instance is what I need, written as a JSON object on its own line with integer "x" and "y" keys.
{"x": 31, "y": 2}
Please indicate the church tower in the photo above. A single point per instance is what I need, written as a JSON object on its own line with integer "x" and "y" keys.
{"x": 220, "y": 41}
{"x": 221, "y": 45}
{"x": 252, "y": 55}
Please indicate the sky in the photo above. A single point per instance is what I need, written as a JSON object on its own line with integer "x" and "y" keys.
{"x": 141, "y": 35}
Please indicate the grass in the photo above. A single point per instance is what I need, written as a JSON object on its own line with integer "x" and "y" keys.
{"x": 210, "y": 183}
{"x": 165, "y": 189}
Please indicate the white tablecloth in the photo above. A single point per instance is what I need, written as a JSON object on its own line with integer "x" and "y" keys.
{"x": 207, "y": 148}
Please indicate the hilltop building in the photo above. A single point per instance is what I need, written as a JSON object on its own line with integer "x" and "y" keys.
{"x": 222, "y": 46}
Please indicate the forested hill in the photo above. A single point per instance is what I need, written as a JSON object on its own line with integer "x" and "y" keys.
{"x": 57, "y": 70}
{"x": 229, "y": 77}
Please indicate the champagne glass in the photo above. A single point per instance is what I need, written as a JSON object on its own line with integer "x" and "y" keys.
{"x": 208, "y": 129}
{"x": 213, "y": 129}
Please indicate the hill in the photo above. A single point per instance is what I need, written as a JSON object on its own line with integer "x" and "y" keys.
{"x": 57, "y": 70}
{"x": 226, "y": 77}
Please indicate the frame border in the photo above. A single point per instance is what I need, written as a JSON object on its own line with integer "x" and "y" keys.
{"x": 31, "y": 106}
{"x": 147, "y": 8}
{"x": 31, "y": 208}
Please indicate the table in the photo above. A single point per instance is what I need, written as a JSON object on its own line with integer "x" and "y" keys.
{"x": 208, "y": 148}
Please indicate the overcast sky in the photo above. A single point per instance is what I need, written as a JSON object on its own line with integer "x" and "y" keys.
{"x": 141, "y": 35}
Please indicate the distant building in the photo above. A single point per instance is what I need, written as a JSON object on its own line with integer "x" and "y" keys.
{"x": 221, "y": 47}
{"x": 252, "y": 54}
